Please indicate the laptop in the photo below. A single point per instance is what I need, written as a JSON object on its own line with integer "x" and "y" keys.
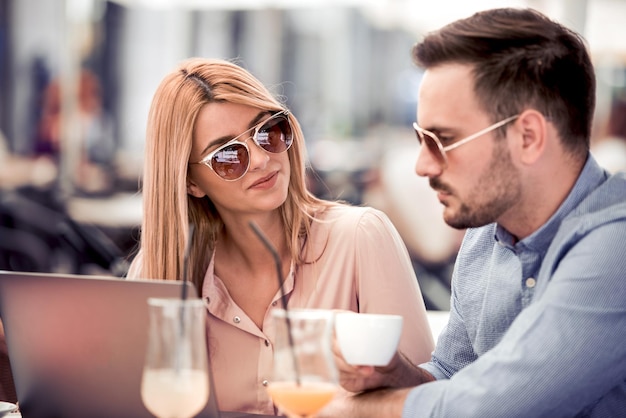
{"x": 77, "y": 343}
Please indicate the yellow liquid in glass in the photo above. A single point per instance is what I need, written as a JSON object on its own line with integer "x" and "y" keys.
{"x": 304, "y": 400}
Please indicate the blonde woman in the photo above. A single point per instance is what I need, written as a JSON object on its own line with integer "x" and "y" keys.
{"x": 222, "y": 151}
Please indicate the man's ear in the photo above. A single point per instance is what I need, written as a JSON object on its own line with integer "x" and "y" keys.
{"x": 193, "y": 189}
{"x": 532, "y": 145}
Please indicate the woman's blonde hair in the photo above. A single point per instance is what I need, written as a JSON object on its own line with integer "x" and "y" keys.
{"x": 168, "y": 209}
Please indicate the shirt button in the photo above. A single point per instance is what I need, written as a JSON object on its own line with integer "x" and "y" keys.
{"x": 236, "y": 320}
{"x": 273, "y": 303}
{"x": 531, "y": 282}
{"x": 265, "y": 382}
{"x": 267, "y": 343}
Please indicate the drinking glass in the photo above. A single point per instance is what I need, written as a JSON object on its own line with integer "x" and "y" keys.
{"x": 305, "y": 377}
{"x": 175, "y": 381}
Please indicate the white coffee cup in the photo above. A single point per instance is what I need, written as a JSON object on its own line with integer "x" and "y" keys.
{"x": 368, "y": 339}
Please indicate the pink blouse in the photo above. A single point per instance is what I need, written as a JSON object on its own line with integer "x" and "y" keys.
{"x": 361, "y": 265}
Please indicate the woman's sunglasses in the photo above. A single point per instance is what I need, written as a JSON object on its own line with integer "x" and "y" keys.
{"x": 232, "y": 160}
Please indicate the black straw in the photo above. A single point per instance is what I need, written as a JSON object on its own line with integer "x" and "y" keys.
{"x": 183, "y": 295}
{"x": 186, "y": 261}
{"x": 279, "y": 266}
{"x": 279, "y": 275}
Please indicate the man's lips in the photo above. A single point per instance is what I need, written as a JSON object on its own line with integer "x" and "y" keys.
{"x": 441, "y": 195}
{"x": 440, "y": 188}
{"x": 443, "y": 192}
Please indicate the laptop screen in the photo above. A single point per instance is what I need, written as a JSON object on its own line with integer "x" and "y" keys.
{"x": 77, "y": 343}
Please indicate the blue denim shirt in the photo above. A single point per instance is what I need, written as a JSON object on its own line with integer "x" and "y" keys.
{"x": 538, "y": 328}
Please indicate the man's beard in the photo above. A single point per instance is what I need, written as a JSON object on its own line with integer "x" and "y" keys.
{"x": 496, "y": 191}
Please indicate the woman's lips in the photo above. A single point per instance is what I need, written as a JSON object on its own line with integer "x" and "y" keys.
{"x": 265, "y": 182}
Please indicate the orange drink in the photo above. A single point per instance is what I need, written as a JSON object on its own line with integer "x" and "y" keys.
{"x": 304, "y": 400}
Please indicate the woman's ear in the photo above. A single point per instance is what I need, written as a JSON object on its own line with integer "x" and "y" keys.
{"x": 532, "y": 125}
{"x": 193, "y": 189}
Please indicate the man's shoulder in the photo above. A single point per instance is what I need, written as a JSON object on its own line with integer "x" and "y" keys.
{"x": 601, "y": 212}
{"x": 615, "y": 185}
{"x": 605, "y": 203}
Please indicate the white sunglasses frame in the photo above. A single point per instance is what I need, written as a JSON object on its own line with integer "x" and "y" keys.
{"x": 421, "y": 132}
{"x": 206, "y": 160}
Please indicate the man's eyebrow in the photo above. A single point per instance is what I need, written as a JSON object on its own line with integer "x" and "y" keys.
{"x": 224, "y": 139}
{"x": 437, "y": 129}
{"x": 434, "y": 128}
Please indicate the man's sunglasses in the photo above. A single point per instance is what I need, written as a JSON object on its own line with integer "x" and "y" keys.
{"x": 232, "y": 160}
{"x": 439, "y": 151}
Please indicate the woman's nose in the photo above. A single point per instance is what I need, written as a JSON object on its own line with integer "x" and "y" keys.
{"x": 258, "y": 156}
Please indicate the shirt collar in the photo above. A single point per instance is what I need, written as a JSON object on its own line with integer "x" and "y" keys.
{"x": 591, "y": 176}
{"x": 216, "y": 294}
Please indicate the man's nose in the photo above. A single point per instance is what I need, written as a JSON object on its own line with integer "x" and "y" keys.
{"x": 427, "y": 164}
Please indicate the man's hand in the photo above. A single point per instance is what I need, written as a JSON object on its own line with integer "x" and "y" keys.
{"x": 400, "y": 372}
{"x": 360, "y": 378}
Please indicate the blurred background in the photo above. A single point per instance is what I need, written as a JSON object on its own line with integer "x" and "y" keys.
{"x": 77, "y": 77}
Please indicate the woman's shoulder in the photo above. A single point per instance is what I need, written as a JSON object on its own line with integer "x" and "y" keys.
{"x": 342, "y": 227}
{"x": 348, "y": 218}
{"x": 134, "y": 271}
{"x": 344, "y": 212}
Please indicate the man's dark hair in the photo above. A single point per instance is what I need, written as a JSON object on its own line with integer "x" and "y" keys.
{"x": 521, "y": 59}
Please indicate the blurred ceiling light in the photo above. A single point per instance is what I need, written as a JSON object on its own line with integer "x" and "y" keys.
{"x": 600, "y": 21}
{"x": 241, "y": 4}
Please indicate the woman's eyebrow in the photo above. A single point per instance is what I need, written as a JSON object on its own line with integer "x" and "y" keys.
{"x": 224, "y": 139}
